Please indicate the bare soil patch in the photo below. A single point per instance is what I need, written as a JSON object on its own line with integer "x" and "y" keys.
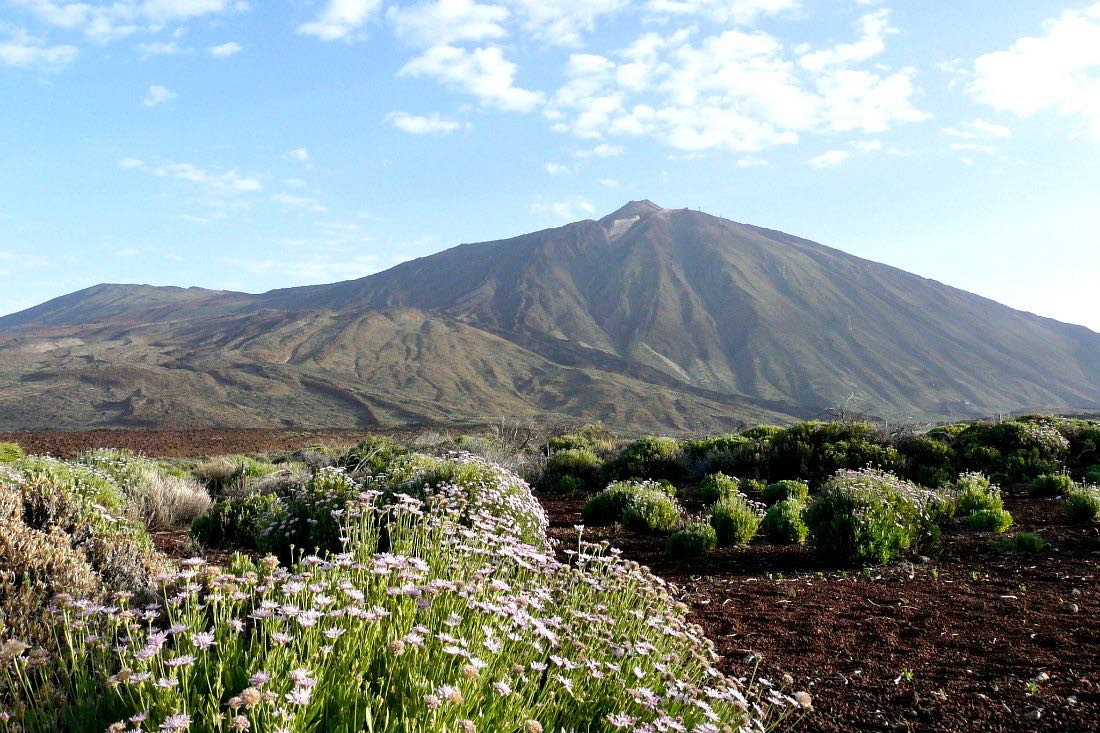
{"x": 975, "y": 639}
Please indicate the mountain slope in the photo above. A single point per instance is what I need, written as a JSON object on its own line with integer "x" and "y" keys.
{"x": 649, "y": 318}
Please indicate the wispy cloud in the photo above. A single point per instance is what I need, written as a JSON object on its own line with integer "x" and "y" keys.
{"x": 157, "y": 95}
{"x": 225, "y": 50}
{"x": 423, "y": 124}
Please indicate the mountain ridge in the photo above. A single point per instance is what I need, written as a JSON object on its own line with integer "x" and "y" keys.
{"x": 705, "y": 321}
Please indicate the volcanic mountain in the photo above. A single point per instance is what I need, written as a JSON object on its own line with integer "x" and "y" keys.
{"x": 648, "y": 319}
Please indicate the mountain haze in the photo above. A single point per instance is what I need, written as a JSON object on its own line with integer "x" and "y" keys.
{"x": 649, "y": 318}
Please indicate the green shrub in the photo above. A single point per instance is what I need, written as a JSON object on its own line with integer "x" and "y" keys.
{"x": 786, "y": 489}
{"x": 569, "y": 470}
{"x": 225, "y": 474}
{"x": 1092, "y": 475}
{"x": 1028, "y": 542}
{"x": 1083, "y": 504}
{"x": 973, "y": 493}
{"x": 928, "y": 461}
{"x": 870, "y": 516}
{"x": 716, "y": 485}
{"x": 651, "y": 512}
{"x": 753, "y": 486}
{"x": 1051, "y": 484}
{"x": 647, "y": 458}
{"x": 784, "y": 521}
{"x": 694, "y": 540}
{"x": 306, "y": 521}
{"x": 238, "y": 521}
{"x": 607, "y": 506}
{"x": 11, "y": 452}
{"x": 814, "y": 450}
{"x": 1013, "y": 451}
{"x": 371, "y": 455}
{"x": 990, "y": 520}
{"x": 162, "y": 497}
{"x": 592, "y": 437}
{"x": 735, "y": 520}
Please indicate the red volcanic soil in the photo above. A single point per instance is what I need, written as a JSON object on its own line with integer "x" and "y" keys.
{"x": 976, "y": 638}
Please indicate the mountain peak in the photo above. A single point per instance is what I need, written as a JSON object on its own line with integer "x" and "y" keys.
{"x": 632, "y": 209}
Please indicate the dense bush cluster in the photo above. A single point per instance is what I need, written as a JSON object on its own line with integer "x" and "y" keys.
{"x": 1008, "y": 452}
{"x": 1083, "y": 504}
{"x": 694, "y": 540}
{"x": 872, "y": 517}
{"x": 440, "y": 609}
{"x": 611, "y": 504}
{"x": 785, "y": 523}
{"x": 735, "y": 519}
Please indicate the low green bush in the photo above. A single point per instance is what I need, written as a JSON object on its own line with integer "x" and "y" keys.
{"x": 592, "y": 437}
{"x": 651, "y": 512}
{"x": 238, "y": 521}
{"x": 735, "y": 520}
{"x": 973, "y": 493}
{"x": 694, "y": 540}
{"x": 310, "y": 517}
{"x": 928, "y": 461}
{"x": 11, "y": 452}
{"x": 1092, "y": 475}
{"x": 1028, "y": 542}
{"x": 1012, "y": 451}
{"x": 1050, "y": 484}
{"x": 871, "y": 517}
{"x": 784, "y": 522}
{"x": 569, "y": 470}
{"x": 371, "y": 455}
{"x": 648, "y": 458}
{"x": 786, "y": 489}
{"x": 607, "y": 506}
{"x": 1083, "y": 504}
{"x": 753, "y": 486}
{"x": 232, "y": 474}
{"x": 990, "y": 520}
{"x": 716, "y": 485}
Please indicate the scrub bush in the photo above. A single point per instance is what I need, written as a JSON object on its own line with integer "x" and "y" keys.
{"x": 735, "y": 520}
{"x": 1051, "y": 484}
{"x": 647, "y": 458}
{"x": 694, "y": 540}
{"x": 650, "y": 512}
{"x": 973, "y": 493}
{"x": 607, "y": 506}
{"x": 569, "y": 470}
{"x": 715, "y": 486}
{"x": 1083, "y": 504}
{"x": 786, "y": 489}
{"x": 871, "y": 517}
{"x": 238, "y": 521}
{"x": 11, "y": 452}
{"x": 784, "y": 522}
{"x": 990, "y": 520}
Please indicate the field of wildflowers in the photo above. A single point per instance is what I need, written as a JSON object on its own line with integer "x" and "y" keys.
{"x": 443, "y": 609}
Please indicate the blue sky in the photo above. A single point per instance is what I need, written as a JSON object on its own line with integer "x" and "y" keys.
{"x": 248, "y": 145}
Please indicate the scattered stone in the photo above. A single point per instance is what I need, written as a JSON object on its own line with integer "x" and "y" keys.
{"x": 1041, "y": 677}
{"x": 1072, "y": 607}
{"x": 922, "y": 559}
{"x": 1034, "y": 714}
{"x": 1071, "y": 700}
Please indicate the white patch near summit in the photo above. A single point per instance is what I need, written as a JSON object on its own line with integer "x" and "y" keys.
{"x": 619, "y": 226}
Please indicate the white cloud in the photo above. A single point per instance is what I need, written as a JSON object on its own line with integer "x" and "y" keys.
{"x": 603, "y": 150}
{"x": 557, "y": 169}
{"x": 109, "y": 21}
{"x": 225, "y": 50}
{"x": 609, "y": 182}
{"x": 978, "y": 128}
{"x": 422, "y": 125}
{"x": 128, "y": 252}
{"x": 160, "y": 48}
{"x": 22, "y": 50}
{"x": 568, "y": 210}
{"x": 341, "y": 19}
{"x": 722, "y": 11}
{"x": 303, "y": 203}
{"x": 299, "y": 154}
{"x": 874, "y": 29}
{"x": 752, "y": 162}
{"x": 735, "y": 90}
{"x": 483, "y": 72}
{"x": 562, "y": 22}
{"x": 157, "y": 95}
{"x": 1057, "y": 71}
{"x": 215, "y": 182}
{"x": 318, "y": 267}
{"x": 830, "y": 158}
{"x": 447, "y": 21}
